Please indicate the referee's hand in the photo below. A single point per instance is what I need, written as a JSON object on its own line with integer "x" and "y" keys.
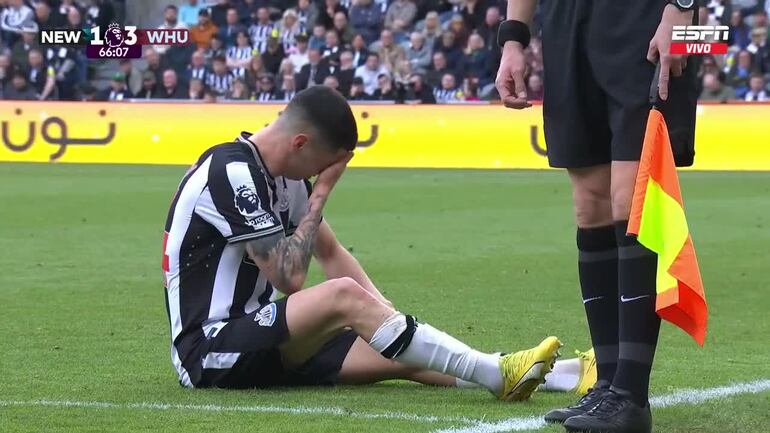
{"x": 510, "y": 77}
{"x": 660, "y": 47}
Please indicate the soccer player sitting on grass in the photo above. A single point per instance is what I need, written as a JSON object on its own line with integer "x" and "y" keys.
{"x": 243, "y": 226}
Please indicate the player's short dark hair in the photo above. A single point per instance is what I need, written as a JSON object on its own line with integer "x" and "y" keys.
{"x": 327, "y": 111}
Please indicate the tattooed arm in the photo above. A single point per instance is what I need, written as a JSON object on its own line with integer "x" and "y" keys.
{"x": 285, "y": 260}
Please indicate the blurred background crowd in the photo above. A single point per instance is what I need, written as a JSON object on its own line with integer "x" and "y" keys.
{"x": 417, "y": 51}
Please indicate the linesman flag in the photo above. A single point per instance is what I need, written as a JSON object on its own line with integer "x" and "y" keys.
{"x": 658, "y": 220}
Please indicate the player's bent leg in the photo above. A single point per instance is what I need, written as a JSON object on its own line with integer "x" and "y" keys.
{"x": 364, "y": 365}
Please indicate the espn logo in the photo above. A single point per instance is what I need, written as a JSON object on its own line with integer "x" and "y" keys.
{"x": 690, "y": 40}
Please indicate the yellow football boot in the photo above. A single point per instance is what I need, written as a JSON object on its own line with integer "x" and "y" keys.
{"x": 587, "y": 372}
{"x": 524, "y": 371}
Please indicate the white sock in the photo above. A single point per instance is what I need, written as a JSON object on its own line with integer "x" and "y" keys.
{"x": 437, "y": 351}
{"x": 564, "y": 377}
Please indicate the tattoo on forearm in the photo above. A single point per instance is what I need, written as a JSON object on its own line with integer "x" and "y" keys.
{"x": 290, "y": 256}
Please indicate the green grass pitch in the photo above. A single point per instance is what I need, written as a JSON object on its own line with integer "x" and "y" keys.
{"x": 485, "y": 255}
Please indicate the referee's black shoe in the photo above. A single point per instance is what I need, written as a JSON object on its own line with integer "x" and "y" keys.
{"x": 586, "y": 403}
{"x": 615, "y": 413}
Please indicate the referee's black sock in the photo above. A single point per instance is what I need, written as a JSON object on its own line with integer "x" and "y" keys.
{"x": 598, "y": 269}
{"x": 639, "y": 324}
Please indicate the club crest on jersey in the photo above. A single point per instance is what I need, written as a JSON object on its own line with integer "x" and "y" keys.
{"x": 247, "y": 203}
{"x": 266, "y": 316}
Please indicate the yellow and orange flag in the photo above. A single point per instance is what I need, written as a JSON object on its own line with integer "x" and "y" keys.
{"x": 658, "y": 220}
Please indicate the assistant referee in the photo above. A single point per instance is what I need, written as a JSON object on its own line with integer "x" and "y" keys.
{"x": 599, "y": 62}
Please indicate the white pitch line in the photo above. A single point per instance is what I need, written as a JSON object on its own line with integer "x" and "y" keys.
{"x": 681, "y": 397}
{"x": 296, "y": 410}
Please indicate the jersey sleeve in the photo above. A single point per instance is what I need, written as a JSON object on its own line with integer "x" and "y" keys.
{"x": 236, "y": 202}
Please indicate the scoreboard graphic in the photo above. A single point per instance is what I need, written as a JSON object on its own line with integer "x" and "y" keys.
{"x": 114, "y": 42}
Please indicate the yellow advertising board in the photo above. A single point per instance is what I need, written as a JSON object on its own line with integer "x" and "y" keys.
{"x": 728, "y": 137}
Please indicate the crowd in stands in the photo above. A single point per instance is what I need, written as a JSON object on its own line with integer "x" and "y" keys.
{"x": 422, "y": 51}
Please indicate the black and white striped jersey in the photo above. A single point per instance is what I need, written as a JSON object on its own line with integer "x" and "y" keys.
{"x": 220, "y": 84}
{"x": 239, "y": 53}
{"x": 226, "y": 198}
{"x": 259, "y": 34}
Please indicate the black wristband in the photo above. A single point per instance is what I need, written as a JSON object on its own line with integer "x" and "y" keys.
{"x": 513, "y": 30}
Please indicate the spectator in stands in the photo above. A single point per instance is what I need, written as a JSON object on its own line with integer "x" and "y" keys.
{"x": 239, "y": 56}
{"x": 438, "y": 69}
{"x": 204, "y": 30}
{"x": 738, "y": 76}
{"x": 209, "y": 96}
{"x": 448, "y": 92}
{"x": 346, "y": 72}
{"x": 6, "y": 70}
{"x": 117, "y": 90}
{"x": 714, "y": 90}
{"x": 15, "y": 17}
{"x": 452, "y": 52}
{"x": 720, "y": 12}
{"x": 255, "y": 70}
{"x": 477, "y": 61}
{"x": 357, "y": 91}
{"x": 417, "y": 53}
{"x": 318, "y": 38}
{"x": 100, "y": 13}
{"x": 739, "y": 31}
{"x": 460, "y": 30}
{"x": 384, "y": 90}
{"x": 488, "y": 32}
{"x": 359, "y": 50}
{"x": 87, "y": 93}
{"x": 39, "y": 76}
{"x": 534, "y": 88}
{"x": 231, "y": 27}
{"x": 419, "y": 91}
{"x": 332, "y": 48}
{"x": 299, "y": 56}
{"x": 757, "y": 92}
{"x": 155, "y": 63}
{"x": 332, "y": 82}
{"x": 216, "y": 49}
{"x": 327, "y": 13}
{"x": 170, "y": 21}
{"x": 189, "y": 13}
{"x": 133, "y": 76}
{"x": 18, "y": 88}
{"x": 172, "y": 88}
{"x": 314, "y": 72}
{"x": 266, "y": 89}
{"x": 219, "y": 13}
{"x": 758, "y": 46}
{"x": 390, "y": 53}
{"x": 288, "y": 88}
{"x": 473, "y": 13}
{"x": 239, "y": 91}
{"x": 46, "y": 17}
{"x": 307, "y": 13}
{"x": 197, "y": 68}
{"x": 220, "y": 80}
{"x": 22, "y": 47}
{"x": 261, "y": 30}
{"x": 196, "y": 89}
{"x": 290, "y": 28}
{"x": 366, "y": 18}
{"x": 432, "y": 29}
{"x": 343, "y": 28}
{"x": 400, "y": 15}
{"x": 66, "y": 6}
{"x": 471, "y": 90}
{"x": 370, "y": 71}
{"x": 149, "y": 86}
{"x": 274, "y": 54}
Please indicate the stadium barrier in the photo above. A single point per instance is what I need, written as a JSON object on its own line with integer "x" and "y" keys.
{"x": 728, "y": 137}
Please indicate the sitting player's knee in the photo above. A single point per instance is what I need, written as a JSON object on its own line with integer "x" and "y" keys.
{"x": 347, "y": 294}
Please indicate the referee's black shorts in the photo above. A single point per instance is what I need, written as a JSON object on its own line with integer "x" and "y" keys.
{"x": 597, "y": 82}
{"x": 244, "y": 353}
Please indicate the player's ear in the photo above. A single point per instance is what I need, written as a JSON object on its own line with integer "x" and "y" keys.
{"x": 299, "y": 141}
